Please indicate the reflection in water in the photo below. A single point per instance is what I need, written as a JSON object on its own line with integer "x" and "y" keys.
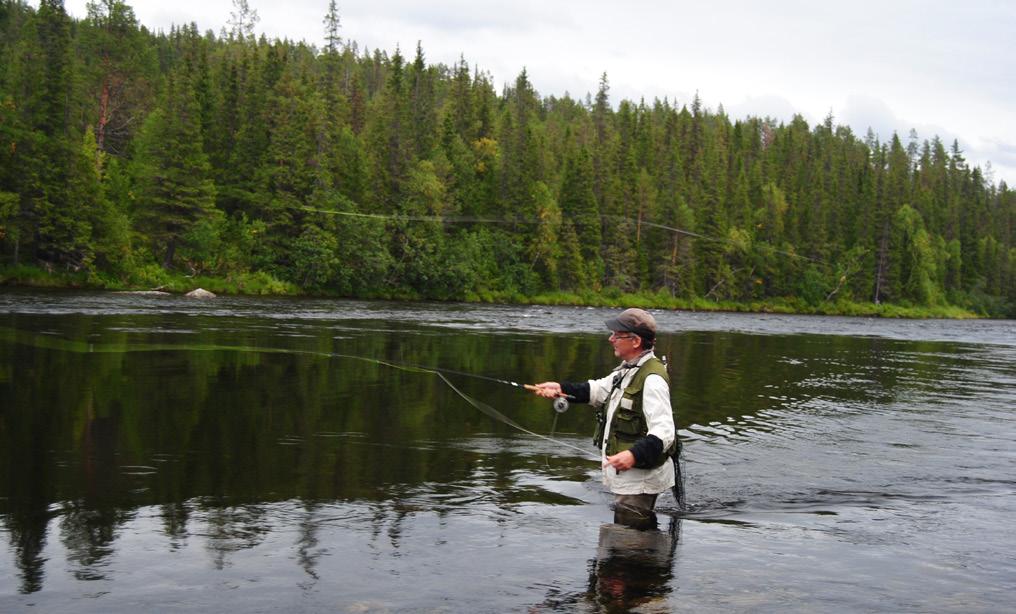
{"x": 308, "y": 543}
{"x": 175, "y": 517}
{"x": 633, "y": 569}
{"x": 167, "y": 460}
{"x": 232, "y": 529}
{"x": 634, "y": 563}
{"x": 144, "y": 416}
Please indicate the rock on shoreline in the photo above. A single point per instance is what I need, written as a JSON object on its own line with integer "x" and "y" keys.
{"x": 200, "y": 293}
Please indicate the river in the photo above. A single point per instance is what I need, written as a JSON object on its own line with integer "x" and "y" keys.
{"x": 257, "y": 455}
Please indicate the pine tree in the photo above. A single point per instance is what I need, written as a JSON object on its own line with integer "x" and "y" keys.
{"x": 895, "y": 195}
{"x": 520, "y": 161}
{"x": 601, "y": 114}
{"x": 332, "y": 23}
{"x": 62, "y": 232}
{"x": 175, "y": 190}
{"x": 647, "y": 240}
{"x": 333, "y": 82}
{"x": 460, "y": 106}
{"x": 18, "y": 179}
{"x": 296, "y": 160}
{"x": 572, "y": 268}
{"x": 242, "y": 21}
{"x": 388, "y": 141}
{"x": 119, "y": 63}
{"x": 577, "y": 201}
{"x": 544, "y": 249}
{"x": 423, "y": 115}
{"x": 241, "y": 189}
{"x": 461, "y": 178}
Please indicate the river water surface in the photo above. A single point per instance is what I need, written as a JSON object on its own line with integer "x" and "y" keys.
{"x": 251, "y": 455}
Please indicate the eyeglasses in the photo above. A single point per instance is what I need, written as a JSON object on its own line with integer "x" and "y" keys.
{"x": 622, "y": 336}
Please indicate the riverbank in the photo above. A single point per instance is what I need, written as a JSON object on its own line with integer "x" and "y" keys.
{"x": 263, "y": 284}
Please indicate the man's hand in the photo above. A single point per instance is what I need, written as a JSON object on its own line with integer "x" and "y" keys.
{"x": 548, "y": 390}
{"x": 622, "y": 461}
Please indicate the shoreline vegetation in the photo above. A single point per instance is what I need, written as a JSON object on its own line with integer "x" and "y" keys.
{"x": 260, "y": 284}
{"x": 141, "y": 159}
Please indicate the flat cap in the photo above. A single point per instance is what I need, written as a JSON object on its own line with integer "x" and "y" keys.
{"x": 637, "y": 321}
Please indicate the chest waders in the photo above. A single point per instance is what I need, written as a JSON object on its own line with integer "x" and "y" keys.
{"x": 628, "y": 423}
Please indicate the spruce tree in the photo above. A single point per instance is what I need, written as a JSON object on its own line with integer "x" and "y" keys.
{"x": 544, "y": 248}
{"x": 577, "y": 200}
{"x": 118, "y": 63}
{"x": 175, "y": 190}
{"x": 422, "y": 111}
{"x": 388, "y": 141}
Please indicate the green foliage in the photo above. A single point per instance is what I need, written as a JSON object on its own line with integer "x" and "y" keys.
{"x": 544, "y": 249}
{"x": 313, "y": 258}
{"x": 812, "y": 288}
{"x": 37, "y": 276}
{"x": 201, "y": 245}
{"x": 9, "y": 208}
{"x": 146, "y": 159}
{"x": 174, "y": 188}
{"x": 916, "y": 262}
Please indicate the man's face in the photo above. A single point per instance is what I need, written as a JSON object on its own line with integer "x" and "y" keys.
{"x": 626, "y": 345}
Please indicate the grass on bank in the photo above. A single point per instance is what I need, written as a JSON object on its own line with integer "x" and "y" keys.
{"x": 154, "y": 277}
{"x": 789, "y": 305}
{"x": 148, "y": 278}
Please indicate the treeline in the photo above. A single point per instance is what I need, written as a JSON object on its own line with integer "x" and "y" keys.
{"x": 129, "y": 156}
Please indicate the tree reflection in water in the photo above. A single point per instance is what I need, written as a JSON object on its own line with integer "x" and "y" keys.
{"x": 219, "y": 428}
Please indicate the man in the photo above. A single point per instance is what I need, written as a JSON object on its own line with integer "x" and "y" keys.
{"x": 635, "y": 430}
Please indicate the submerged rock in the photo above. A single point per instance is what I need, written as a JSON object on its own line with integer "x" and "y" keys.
{"x": 200, "y": 293}
{"x": 145, "y": 292}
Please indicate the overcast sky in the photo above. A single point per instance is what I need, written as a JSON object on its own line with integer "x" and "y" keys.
{"x": 938, "y": 67}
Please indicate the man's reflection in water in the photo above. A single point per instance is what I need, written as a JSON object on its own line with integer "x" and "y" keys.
{"x": 634, "y": 562}
{"x": 633, "y": 568}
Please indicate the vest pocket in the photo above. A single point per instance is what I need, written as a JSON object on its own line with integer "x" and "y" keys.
{"x": 625, "y": 429}
{"x": 629, "y": 424}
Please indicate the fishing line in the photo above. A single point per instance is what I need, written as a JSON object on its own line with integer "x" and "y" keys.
{"x": 466, "y": 374}
{"x": 490, "y": 411}
{"x": 418, "y": 218}
{"x": 489, "y": 220}
{"x": 705, "y": 238}
{"x": 81, "y": 347}
{"x": 560, "y": 404}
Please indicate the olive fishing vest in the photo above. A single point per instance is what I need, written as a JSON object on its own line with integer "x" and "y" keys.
{"x": 629, "y": 423}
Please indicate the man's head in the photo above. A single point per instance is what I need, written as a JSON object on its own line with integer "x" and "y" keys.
{"x": 634, "y": 331}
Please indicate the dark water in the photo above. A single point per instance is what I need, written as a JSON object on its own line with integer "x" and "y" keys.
{"x": 162, "y": 454}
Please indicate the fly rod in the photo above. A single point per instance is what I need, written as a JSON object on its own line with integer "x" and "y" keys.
{"x": 560, "y": 403}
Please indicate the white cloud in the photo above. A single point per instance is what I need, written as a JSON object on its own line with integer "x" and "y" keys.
{"x": 775, "y": 107}
{"x": 941, "y": 67}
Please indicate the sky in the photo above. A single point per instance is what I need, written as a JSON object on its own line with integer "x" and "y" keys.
{"x": 945, "y": 68}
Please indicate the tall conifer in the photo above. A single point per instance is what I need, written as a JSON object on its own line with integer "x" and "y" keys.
{"x": 175, "y": 190}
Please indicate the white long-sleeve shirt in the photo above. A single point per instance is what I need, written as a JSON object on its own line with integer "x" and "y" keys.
{"x": 659, "y": 418}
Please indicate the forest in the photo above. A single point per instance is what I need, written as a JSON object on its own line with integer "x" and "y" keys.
{"x": 139, "y": 159}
